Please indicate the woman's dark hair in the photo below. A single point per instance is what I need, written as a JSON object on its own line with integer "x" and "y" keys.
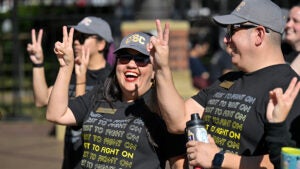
{"x": 107, "y": 90}
{"x": 111, "y": 88}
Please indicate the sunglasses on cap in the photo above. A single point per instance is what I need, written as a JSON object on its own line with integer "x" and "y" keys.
{"x": 231, "y": 29}
{"x": 81, "y": 37}
{"x": 140, "y": 60}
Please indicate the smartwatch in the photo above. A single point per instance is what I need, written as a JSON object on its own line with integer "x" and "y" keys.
{"x": 218, "y": 160}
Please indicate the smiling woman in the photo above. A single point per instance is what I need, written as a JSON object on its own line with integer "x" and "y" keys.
{"x": 124, "y": 110}
{"x": 134, "y": 70}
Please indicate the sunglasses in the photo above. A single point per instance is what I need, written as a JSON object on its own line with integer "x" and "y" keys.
{"x": 81, "y": 37}
{"x": 231, "y": 29}
{"x": 140, "y": 60}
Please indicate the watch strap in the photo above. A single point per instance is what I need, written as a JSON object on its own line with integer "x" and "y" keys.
{"x": 218, "y": 160}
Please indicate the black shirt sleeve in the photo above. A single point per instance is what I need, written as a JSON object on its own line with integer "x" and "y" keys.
{"x": 81, "y": 105}
{"x": 277, "y": 136}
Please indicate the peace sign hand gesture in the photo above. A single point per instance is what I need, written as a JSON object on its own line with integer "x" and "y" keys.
{"x": 34, "y": 48}
{"x": 159, "y": 46}
{"x": 81, "y": 63}
{"x": 281, "y": 103}
{"x": 64, "y": 50}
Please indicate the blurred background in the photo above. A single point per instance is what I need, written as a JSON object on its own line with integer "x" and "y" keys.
{"x": 18, "y": 17}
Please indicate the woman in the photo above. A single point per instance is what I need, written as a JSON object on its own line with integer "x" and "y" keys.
{"x": 121, "y": 123}
{"x": 91, "y": 48}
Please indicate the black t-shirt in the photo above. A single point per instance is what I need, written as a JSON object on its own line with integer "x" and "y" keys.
{"x": 126, "y": 135}
{"x": 235, "y": 108}
{"x": 73, "y": 147}
{"x": 93, "y": 77}
{"x": 277, "y": 136}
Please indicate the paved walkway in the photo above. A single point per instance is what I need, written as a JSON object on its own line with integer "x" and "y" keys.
{"x": 27, "y": 145}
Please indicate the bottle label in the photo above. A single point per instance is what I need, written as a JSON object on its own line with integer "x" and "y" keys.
{"x": 198, "y": 134}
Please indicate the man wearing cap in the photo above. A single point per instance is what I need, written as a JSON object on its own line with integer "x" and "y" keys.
{"x": 234, "y": 107}
{"x": 92, "y": 39}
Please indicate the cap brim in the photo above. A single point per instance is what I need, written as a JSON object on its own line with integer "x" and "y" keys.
{"x": 130, "y": 47}
{"x": 118, "y": 50}
{"x": 81, "y": 29}
{"x": 225, "y": 20}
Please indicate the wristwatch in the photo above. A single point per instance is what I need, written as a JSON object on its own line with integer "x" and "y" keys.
{"x": 218, "y": 160}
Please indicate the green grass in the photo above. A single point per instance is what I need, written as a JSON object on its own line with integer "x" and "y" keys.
{"x": 183, "y": 83}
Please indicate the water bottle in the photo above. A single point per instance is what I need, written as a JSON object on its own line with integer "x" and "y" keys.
{"x": 195, "y": 130}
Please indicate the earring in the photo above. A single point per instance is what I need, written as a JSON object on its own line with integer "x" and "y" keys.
{"x": 153, "y": 82}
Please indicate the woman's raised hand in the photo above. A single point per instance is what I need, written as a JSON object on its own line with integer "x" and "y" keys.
{"x": 159, "y": 45}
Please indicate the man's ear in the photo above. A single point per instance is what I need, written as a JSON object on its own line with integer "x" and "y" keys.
{"x": 260, "y": 35}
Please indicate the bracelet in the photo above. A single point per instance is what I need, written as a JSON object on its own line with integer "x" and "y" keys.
{"x": 80, "y": 83}
{"x": 38, "y": 64}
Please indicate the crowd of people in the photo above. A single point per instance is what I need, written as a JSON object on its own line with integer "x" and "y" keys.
{"x": 127, "y": 113}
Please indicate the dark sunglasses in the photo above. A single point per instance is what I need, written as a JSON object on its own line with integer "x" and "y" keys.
{"x": 139, "y": 59}
{"x": 81, "y": 37}
{"x": 231, "y": 29}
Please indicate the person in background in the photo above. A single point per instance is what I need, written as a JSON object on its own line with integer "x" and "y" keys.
{"x": 220, "y": 62}
{"x": 292, "y": 37}
{"x": 234, "y": 107}
{"x": 92, "y": 40}
{"x": 203, "y": 75}
{"x": 199, "y": 48}
{"x": 121, "y": 122}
